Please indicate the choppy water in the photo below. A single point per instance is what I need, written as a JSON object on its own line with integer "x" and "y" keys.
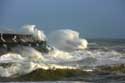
{"x": 98, "y": 54}
{"x": 67, "y": 51}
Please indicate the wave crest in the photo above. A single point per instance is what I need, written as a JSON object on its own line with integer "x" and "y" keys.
{"x": 67, "y": 40}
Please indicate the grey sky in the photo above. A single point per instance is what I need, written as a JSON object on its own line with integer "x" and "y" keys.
{"x": 92, "y": 18}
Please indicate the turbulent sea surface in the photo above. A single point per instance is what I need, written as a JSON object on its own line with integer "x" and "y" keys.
{"x": 103, "y": 60}
{"x": 103, "y": 53}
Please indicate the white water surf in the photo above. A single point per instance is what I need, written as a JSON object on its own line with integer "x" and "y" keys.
{"x": 65, "y": 54}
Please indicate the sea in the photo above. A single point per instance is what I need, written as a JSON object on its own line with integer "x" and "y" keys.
{"x": 103, "y": 61}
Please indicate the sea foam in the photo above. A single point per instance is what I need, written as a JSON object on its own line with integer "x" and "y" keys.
{"x": 66, "y": 53}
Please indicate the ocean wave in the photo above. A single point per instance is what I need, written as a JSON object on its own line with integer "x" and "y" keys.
{"x": 27, "y": 59}
{"x": 67, "y": 40}
{"x": 68, "y": 53}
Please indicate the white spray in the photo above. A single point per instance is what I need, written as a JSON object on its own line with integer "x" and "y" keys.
{"x": 26, "y": 59}
{"x": 37, "y": 34}
{"x": 67, "y": 40}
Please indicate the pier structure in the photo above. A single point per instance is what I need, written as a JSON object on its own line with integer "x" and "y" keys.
{"x": 9, "y": 40}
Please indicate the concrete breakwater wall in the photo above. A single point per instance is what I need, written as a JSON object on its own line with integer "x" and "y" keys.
{"x": 9, "y": 40}
{"x": 17, "y": 38}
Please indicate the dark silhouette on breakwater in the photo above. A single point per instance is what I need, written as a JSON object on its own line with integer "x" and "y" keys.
{"x": 9, "y": 40}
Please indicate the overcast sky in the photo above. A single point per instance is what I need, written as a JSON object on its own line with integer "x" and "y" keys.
{"x": 92, "y": 18}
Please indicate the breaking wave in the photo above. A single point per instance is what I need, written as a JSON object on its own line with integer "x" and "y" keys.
{"x": 67, "y": 40}
{"x": 68, "y": 52}
{"x": 32, "y": 29}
